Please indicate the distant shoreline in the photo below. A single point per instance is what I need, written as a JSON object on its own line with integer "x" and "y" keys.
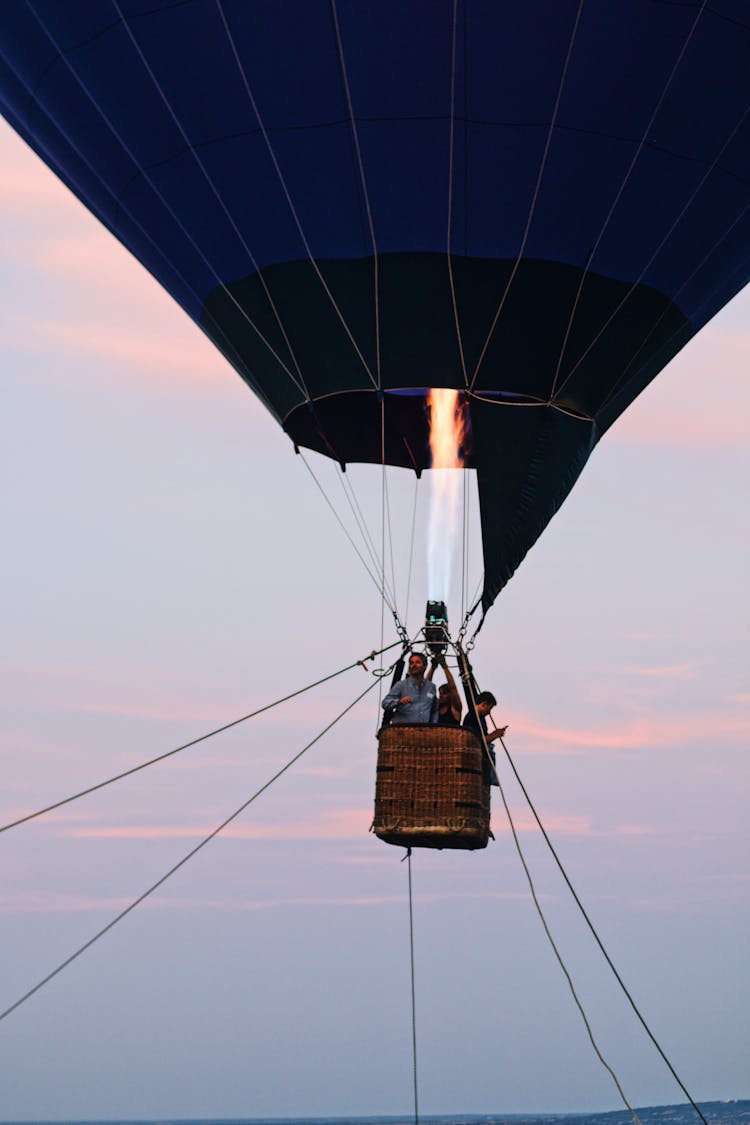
{"x": 729, "y": 1112}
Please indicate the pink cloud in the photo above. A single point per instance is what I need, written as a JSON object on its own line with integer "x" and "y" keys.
{"x": 662, "y": 905}
{"x": 634, "y": 830}
{"x": 172, "y": 710}
{"x": 43, "y": 901}
{"x": 129, "y": 318}
{"x": 645, "y": 635}
{"x": 654, "y": 731}
{"x": 336, "y": 824}
{"x": 379, "y": 858}
{"x": 100, "y": 265}
{"x": 52, "y": 902}
{"x": 560, "y": 825}
{"x": 359, "y": 900}
{"x": 27, "y": 186}
{"x": 176, "y": 357}
{"x": 667, "y": 671}
{"x": 49, "y": 669}
{"x": 326, "y": 771}
{"x": 566, "y": 825}
{"x": 295, "y": 714}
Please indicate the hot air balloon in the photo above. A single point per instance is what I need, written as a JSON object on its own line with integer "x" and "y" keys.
{"x": 538, "y": 205}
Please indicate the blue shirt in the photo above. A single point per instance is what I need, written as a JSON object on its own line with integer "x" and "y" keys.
{"x": 423, "y": 707}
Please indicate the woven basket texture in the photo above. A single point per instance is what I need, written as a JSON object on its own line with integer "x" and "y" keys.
{"x": 430, "y": 790}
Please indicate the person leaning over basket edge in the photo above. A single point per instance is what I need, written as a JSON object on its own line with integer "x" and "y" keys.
{"x": 413, "y": 699}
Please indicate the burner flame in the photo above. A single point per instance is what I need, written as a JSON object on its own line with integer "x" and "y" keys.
{"x": 447, "y": 433}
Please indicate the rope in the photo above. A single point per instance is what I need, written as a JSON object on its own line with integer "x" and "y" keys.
{"x": 411, "y": 548}
{"x": 535, "y": 197}
{"x": 380, "y": 588}
{"x": 282, "y": 182}
{"x": 299, "y": 383}
{"x": 463, "y": 544}
{"x": 597, "y": 939}
{"x": 539, "y": 910}
{"x": 655, "y": 254}
{"x": 110, "y": 224}
{"x": 557, "y": 954}
{"x": 193, "y": 742}
{"x": 390, "y": 535}
{"x": 361, "y": 522}
{"x": 617, "y": 198}
{"x": 193, "y": 851}
{"x": 413, "y": 991}
{"x": 467, "y": 680}
{"x": 454, "y": 302}
{"x": 360, "y": 164}
{"x": 696, "y": 312}
{"x": 382, "y": 540}
{"x": 213, "y": 188}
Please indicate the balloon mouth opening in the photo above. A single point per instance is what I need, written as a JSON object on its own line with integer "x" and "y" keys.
{"x": 510, "y": 398}
{"x": 362, "y": 426}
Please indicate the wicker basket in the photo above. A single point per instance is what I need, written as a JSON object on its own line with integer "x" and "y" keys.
{"x": 430, "y": 790}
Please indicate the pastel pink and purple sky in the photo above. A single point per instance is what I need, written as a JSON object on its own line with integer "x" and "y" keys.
{"x": 169, "y": 565}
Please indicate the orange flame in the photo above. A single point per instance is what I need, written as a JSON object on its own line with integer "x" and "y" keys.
{"x": 447, "y": 428}
{"x": 447, "y": 434}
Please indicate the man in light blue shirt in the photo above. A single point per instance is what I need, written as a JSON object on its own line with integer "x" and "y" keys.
{"x": 414, "y": 699}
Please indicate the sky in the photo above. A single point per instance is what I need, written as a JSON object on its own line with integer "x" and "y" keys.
{"x": 169, "y": 565}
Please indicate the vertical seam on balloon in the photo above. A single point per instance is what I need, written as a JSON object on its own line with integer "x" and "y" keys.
{"x": 368, "y": 209}
{"x": 157, "y": 193}
{"x": 288, "y": 197}
{"x": 257, "y": 389}
{"x": 618, "y": 196}
{"x": 534, "y": 198}
{"x": 212, "y": 186}
{"x": 450, "y": 194}
{"x": 656, "y": 252}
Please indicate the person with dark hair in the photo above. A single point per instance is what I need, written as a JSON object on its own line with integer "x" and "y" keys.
{"x": 476, "y": 721}
{"x": 413, "y": 699}
{"x": 448, "y": 699}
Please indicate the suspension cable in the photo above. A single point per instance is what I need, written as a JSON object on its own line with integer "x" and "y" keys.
{"x": 558, "y": 955}
{"x": 361, "y": 522}
{"x": 390, "y": 536}
{"x": 380, "y": 588}
{"x": 193, "y": 742}
{"x": 193, "y": 851}
{"x": 411, "y": 547}
{"x": 579, "y": 904}
{"x": 595, "y": 935}
{"x": 382, "y": 539}
{"x": 537, "y": 904}
{"x": 413, "y": 991}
